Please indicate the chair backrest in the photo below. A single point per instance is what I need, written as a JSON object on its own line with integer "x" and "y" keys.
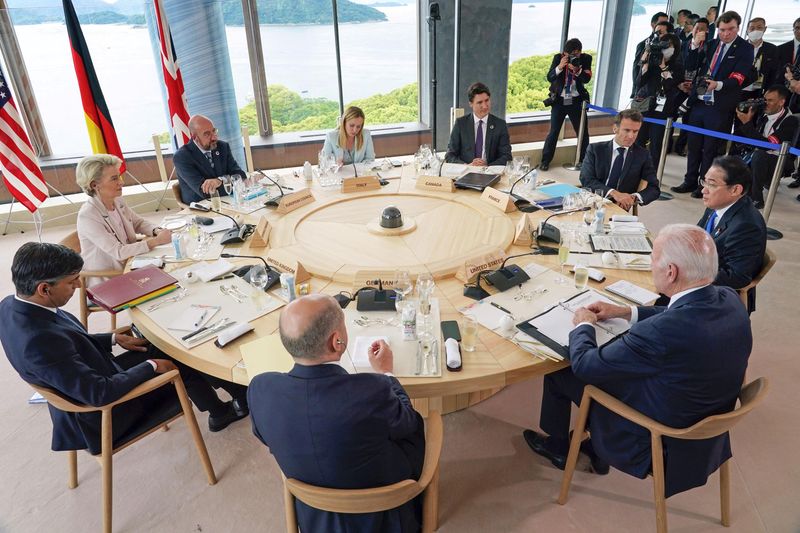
{"x": 770, "y": 258}
{"x": 378, "y": 498}
{"x": 750, "y": 396}
{"x": 72, "y": 241}
{"x": 176, "y": 191}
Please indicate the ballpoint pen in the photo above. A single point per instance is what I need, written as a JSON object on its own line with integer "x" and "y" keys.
{"x": 500, "y": 307}
{"x": 200, "y": 320}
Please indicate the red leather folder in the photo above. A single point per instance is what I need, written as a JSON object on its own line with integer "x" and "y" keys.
{"x": 122, "y": 289}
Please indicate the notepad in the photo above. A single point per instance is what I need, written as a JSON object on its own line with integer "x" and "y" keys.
{"x": 632, "y": 292}
{"x": 266, "y": 354}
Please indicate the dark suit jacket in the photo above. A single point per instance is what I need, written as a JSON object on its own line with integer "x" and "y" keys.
{"x": 735, "y": 73}
{"x": 652, "y": 83}
{"x": 332, "y": 429}
{"x": 193, "y": 168}
{"x": 784, "y": 129}
{"x": 677, "y": 366}
{"x": 47, "y": 350}
{"x": 638, "y": 166}
{"x": 741, "y": 239}
{"x": 784, "y": 54}
{"x": 557, "y": 81}
{"x": 769, "y": 65}
{"x": 461, "y": 147}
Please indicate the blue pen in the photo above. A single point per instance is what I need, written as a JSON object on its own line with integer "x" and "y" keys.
{"x": 256, "y": 194}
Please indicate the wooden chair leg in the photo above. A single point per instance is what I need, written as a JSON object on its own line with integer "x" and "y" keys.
{"x": 191, "y": 421}
{"x": 107, "y": 451}
{"x": 658, "y": 483}
{"x": 72, "y": 462}
{"x": 288, "y": 505}
{"x": 430, "y": 505}
{"x": 574, "y": 448}
{"x": 725, "y": 492}
{"x": 113, "y": 322}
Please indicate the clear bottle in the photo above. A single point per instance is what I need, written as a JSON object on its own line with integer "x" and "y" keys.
{"x": 308, "y": 173}
{"x": 599, "y": 219}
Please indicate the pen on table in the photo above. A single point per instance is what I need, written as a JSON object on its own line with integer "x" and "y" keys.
{"x": 200, "y": 320}
{"x": 500, "y": 307}
{"x": 219, "y": 278}
{"x": 204, "y": 306}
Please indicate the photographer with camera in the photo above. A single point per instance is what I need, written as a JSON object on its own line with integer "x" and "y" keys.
{"x": 655, "y": 20}
{"x": 693, "y": 57}
{"x": 569, "y": 72}
{"x": 714, "y": 94}
{"x": 657, "y": 93}
{"x": 765, "y": 59}
{"x": 768, "y": 120}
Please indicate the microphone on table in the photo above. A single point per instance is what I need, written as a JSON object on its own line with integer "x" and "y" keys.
{"x": 236, "y": 234}
{"x": 548, "y": 232}
{"x": 273, "y": 276}
{"x": 273, "y": 202}
{"x": 520, "y": 202}
{"x": 353, "y": 159}
{"x": 504, "y": 278}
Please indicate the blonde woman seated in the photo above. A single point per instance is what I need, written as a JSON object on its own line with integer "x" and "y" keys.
{"x": 107, "y": 227}
{"x": 350, "y": 142}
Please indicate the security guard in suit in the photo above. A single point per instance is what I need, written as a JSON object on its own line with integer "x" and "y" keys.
{"x": 765, "y": 60}
{"x": 714, "y": 95}
{"x": 569, "y": 72}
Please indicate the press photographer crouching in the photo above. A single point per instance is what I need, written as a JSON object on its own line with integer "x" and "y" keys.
{"x": 568, "y": 74}
{"x": 657, "y": 92}
{"x": 769, "y": 120}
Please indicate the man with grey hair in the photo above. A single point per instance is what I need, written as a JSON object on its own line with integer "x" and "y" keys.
{"x": 204, "y": 162}
{"x": 332, "y": 429}
{"x": 677, "y": 365}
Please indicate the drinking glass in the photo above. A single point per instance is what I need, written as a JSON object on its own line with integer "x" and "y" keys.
{"x": 258, "y": 279}
{"x": 227, "y": 182}
{"x": 525, "y": 165}
{"x": 563, "y": 254}
{"x": 581, "y": 276}
{"x": 402, "y": 284}
{"x": 469, "y": 333}
{"x": 216, "y": 203}
{"x": 425, "y": 286}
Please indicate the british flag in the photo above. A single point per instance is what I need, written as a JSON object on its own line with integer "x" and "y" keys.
{"x": 176, "y": 98}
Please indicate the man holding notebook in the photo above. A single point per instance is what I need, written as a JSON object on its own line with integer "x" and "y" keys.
{"x": 677, "y": 364}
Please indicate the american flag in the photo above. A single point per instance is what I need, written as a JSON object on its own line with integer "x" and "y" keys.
{"x": 176, "y": 99}
{"x": 21, "y": 172}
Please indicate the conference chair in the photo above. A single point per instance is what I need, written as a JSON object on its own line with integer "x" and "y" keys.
{"x": 176, "y": 190}
{"x": 642, "y": 186}
{"x": 769, "y": 260}
{"x": 750, "y": 396}
{"x": 72, "y": 242}
{"x": 379, "y": 498}
{"x": 157, "y": 420}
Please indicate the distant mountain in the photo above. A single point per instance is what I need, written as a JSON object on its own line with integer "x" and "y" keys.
{"x": 132, "y": 12}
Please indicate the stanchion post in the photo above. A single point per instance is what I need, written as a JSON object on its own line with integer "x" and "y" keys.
{"x": 662, "y": 161}
{"x": 578, "y": 144}
{"x": 773, "y": 234}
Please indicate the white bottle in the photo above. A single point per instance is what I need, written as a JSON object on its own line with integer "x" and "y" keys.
{"x": 307, "y": 172}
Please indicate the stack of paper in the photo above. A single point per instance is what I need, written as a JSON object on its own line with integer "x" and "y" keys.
{"x": 628, "y": 228}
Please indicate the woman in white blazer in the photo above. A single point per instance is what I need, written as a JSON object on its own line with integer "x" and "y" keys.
{"x": 107, "y": 227}
{"x": 350, "y": 142}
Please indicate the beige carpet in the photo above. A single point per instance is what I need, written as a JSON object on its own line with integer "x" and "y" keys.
{"x": 490, "y": 481}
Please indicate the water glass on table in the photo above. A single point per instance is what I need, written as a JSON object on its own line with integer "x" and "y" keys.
{"x": 425, "y": 287}
{"x": 216, "y": 203}
{"x": 469, "y": 333}
{"x": 581, "y": 276}
{"x": 563, "y": 253}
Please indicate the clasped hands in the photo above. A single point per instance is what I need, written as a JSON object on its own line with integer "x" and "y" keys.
{"x": 597, "y": 311}
{"x": 624, "y": 200}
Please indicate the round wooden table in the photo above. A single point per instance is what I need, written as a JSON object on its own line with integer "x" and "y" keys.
{"x": 332, "y": 239}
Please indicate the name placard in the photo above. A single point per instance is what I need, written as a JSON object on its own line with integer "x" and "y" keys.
{"x": 525, "y": 228}
{"x": 292, "y": 201}
{"x": 474, "y": 265}
{"x": 436, "y": 183}
{"x": 260, "y": 237}
{"x": 292, "y": 267}
{"x": 361, "y": 183}
{"x": 373, "y": 279}
{"x": 500, "y": 200}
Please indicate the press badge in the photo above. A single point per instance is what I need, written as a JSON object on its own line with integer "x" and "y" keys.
{"x": 568, "y": 100}
{"x": 660, "y": 101}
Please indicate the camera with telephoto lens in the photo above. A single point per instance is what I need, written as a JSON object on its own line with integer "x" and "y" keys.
{"x": 794, "y": 69}
{"x": 702, "y": 85}
{"x": 756, "y": 104}
{"x": 550, "y": 100}
{"x": 575, "y": 60}
{"x": 656, "y": 50}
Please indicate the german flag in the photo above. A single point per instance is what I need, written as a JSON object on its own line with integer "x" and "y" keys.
{"x": 98, "y": 120}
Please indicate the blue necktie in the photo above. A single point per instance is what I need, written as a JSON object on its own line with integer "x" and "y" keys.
{"x": 616, "y": 169}
{"x": 479, "y": 141}
{"x": 710, "y": 222}
{"x": 210, "y": 158}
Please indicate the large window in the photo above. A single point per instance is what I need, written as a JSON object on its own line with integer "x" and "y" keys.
{"x": 385, "y": 89}
{"x": 779, "y": 14}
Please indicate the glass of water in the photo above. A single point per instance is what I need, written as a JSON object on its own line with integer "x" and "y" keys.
{"x": 581, "y": 276}
{"x": 216, "y": 203}
{"x": 469, "y": 333}
{"x": 227, "y": 183}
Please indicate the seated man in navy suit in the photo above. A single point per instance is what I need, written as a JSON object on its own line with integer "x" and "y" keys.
{"x": 49, "y": 347}
{"x": 479, "y": 138}
{"x": 333, "y": 429}
{"x": 677, "y": 365}
{"x": 616, "y": 167}
{"x": 202, "y": 163}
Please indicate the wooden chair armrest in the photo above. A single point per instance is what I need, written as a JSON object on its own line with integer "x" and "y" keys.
{"x": 148, "y": 386}
{"x": 434, "y": 437}
{"x": 100, "y": 273}
{"x": 354, "y": 500}
{"x": 122, "y": 329}
{"x": 625, "y": 411}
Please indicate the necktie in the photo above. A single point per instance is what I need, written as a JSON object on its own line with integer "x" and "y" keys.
{"x": 210, "y": 158}
{"x": 479, "y": 141}
{"x": 710, "y": 222}
{"x": 796, "y": 55}
{"x": 716, "y": 60}
{"x": 616, "y": 169}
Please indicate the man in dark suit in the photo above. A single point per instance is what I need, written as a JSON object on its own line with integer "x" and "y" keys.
{"x": 641, "y": 45}
{"x": 479, "y": 138}
{"x": 765, "y": 60}
{"x": 677, "y": 365}
{"x": 616, "y": 167}
{"x": 730, "y": 65}
{"x": 788, "y": 54}
{"x": 693, "y": 54}
{"x": 49, "y": 347}
{"x": 737, "y": 227}
{"x": 569, "y": 72}
{"x": 332, "y": 429}
{"x": 203, "y": 162}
